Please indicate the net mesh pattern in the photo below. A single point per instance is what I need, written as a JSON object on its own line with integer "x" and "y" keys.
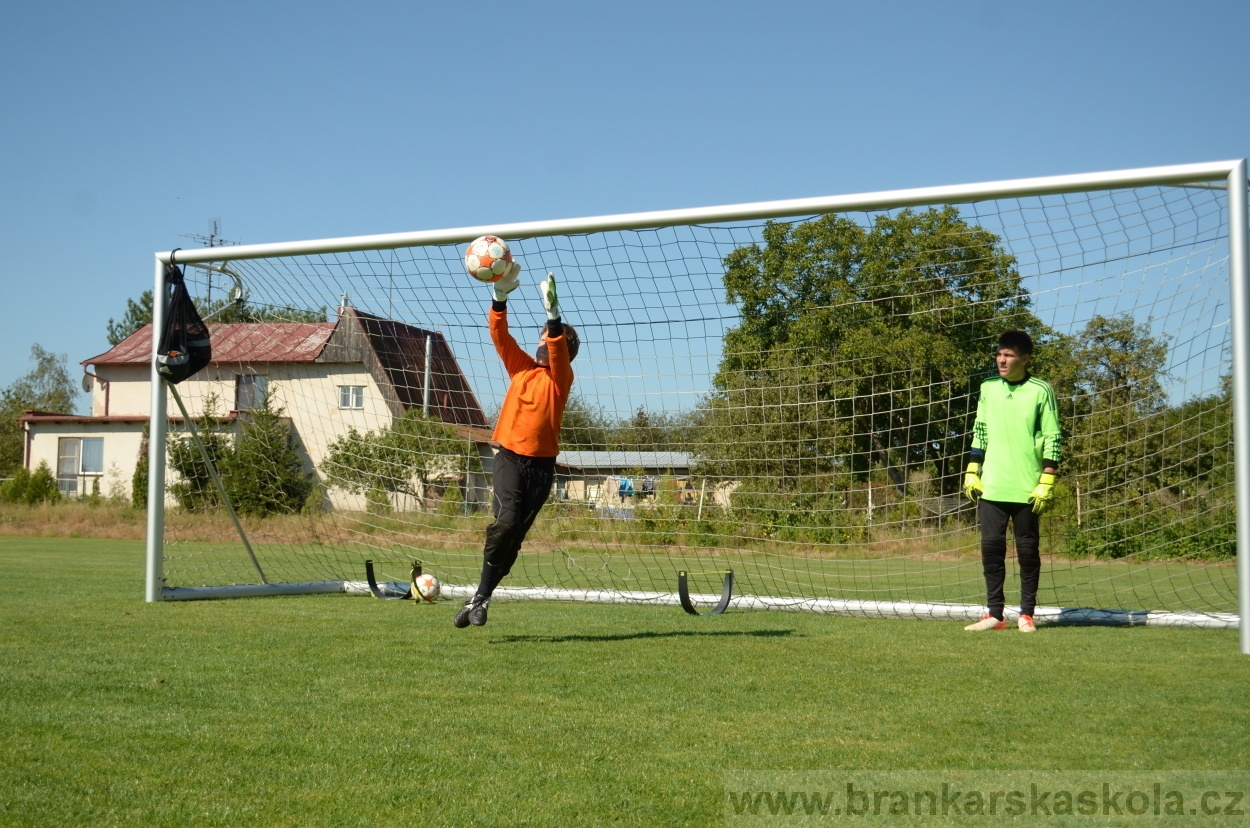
{"x": 791, "y": 400}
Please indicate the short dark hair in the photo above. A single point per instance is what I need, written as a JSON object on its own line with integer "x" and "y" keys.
{"x": 1018, "y": 341}
{"x": 571, "y": 340}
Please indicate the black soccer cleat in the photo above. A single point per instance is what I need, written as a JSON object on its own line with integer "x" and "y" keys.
{"x": 473, "y": 612}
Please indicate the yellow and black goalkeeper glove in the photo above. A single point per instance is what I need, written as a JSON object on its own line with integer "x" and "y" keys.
{"x": 972, "y": 482}
{"x": 1044, "y": 495}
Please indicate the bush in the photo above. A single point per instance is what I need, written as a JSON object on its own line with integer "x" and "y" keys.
{"x": 139, "y": 482}
{"x": 413, "y": 449}
{"x": 378, "y": 501}
{"x": 1149, "y": 530}
{"x": 196, "y": 491}
{"x": 261, "y": 470}
{"x": 315, "y": 503}
{"x": 14, "y": 489}
{"x": 31, "y": 489}
{"x": 43, "y": 488}
{"x": 265, "y": 475}
{"x": 452, "y": 503}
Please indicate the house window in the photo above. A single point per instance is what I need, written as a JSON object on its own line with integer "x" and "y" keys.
{"x": 351, "y": 396}
{"x": 249, "y": 392}
{"x": 78, "y": 458}
{"x": 93, "y": 455}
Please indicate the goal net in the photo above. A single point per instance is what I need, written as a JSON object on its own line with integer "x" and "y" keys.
{"x": 783, "y": 391}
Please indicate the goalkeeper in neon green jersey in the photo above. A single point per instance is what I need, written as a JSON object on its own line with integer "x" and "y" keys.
{"x": 1016, "y": 448}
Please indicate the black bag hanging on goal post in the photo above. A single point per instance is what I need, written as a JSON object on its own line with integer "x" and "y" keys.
{"x": 184, "y": 347}
{"x": 184, "y": 350}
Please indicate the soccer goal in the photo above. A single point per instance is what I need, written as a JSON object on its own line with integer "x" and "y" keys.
{"x": 783, "y": 391}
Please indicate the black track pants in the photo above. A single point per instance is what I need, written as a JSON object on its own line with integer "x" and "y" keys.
{"x": 521, "y": 488}
{"x": 994, "y": 517}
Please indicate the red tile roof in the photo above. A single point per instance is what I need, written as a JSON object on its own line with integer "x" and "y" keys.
{"x": 400, "y": 350}
{"x": 393, "y": 351}
{"x": 234, "y": 342}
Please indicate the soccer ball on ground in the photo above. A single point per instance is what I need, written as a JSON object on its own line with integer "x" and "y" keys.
{"x": 427, "y": 586}
{"x": 487, "y": 258}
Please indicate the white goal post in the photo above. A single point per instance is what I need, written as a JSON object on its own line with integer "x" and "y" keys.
{"x": 1026, "y": 198}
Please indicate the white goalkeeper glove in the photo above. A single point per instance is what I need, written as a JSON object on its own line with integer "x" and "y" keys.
{"x": 551, "y": 302}
{"x": 510, "y": 282}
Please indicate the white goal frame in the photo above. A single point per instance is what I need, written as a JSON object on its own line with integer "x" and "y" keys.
{"x": 1220, "y": 174}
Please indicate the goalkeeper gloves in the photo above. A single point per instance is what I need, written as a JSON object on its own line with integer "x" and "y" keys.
{"x": 510, "y": 282}
{"x": 972, "y": 482}
{"x": 1043, "y": 496}
{"x": 551, "y": 303}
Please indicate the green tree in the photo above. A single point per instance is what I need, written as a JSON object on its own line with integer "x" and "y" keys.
{"x": 42, "y": 487}
{"x": 31, "y": 488}
{"x": 46, "y": 387}
{"x": 643, "y": 431}
{"x": 859, "y": 346}
{"x": 224, "y": 310}
{"x": 260, "y": 468}
{"x": 195, "y": 490}
{"x": 411, "y": 452}
{"x": 138, "y": 313}
{"x": 265, "y": 474}
{"x": 1116, "y": 435}
{"x": 1197, "y": 441}
{"x": 1154, "y": 476}
{"x": 139, "y": 480}
{"x": 584, "y": 427}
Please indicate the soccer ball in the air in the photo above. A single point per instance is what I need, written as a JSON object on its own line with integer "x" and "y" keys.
{"x": 427, "y": 586}
{"x": 487, "y": 258}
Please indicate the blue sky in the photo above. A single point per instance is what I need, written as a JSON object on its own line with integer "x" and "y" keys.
{"x": 127, "y": 125}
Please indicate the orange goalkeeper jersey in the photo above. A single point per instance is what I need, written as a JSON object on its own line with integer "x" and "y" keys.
{"x": 529, "y": 421}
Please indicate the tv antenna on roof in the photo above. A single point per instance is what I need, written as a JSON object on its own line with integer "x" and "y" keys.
{"x": 213, "y": 239}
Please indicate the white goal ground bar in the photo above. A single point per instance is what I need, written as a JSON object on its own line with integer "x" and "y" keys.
{"x": 826, "y": 606}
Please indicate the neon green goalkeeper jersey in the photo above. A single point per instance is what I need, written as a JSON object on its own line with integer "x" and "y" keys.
{"x": 1017, "y": 427}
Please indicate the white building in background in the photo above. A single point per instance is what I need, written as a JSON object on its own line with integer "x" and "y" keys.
{"x": 361, "y": 371}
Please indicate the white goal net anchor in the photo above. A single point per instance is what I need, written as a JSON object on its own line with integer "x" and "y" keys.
{"x": 786, "y": 386}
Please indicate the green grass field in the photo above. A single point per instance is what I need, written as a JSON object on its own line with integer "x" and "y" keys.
{"x": 336, "y": 710}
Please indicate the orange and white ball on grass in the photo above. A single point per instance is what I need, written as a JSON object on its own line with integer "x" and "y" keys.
{"x": 488, "y": 258}
{"x": 427, "y": 587}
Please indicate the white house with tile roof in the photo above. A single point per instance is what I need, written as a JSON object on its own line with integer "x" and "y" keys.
{"x": 360, "y": 371}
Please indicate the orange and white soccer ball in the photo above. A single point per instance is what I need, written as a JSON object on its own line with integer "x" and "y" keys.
{"x": 488, "y": 258}
{"x": 427, "y": 586}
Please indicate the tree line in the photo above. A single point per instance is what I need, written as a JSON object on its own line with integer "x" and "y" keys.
{"x": 858, "y": 353}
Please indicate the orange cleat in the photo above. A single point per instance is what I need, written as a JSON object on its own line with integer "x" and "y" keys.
{"x": 1026, "y": 624}
{"x": 989, "y": 622}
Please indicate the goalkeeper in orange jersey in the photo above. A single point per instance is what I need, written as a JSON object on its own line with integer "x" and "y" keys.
{"x": 528, "y": 433}
{"x": 1016, "y": 449}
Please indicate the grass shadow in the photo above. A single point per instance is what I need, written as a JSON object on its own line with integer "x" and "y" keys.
{"x": 561, "y": 639}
